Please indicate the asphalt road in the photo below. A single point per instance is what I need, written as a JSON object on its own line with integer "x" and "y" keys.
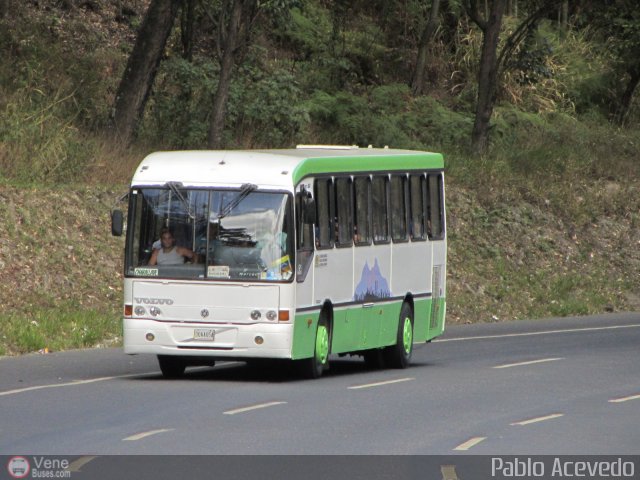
{"x": 558, "y": 386}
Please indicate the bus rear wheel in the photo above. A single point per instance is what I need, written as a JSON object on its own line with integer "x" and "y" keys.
{"x": 314, "y": 366}
{"x": 399, "y": 355}
{"x": 171, "y": 366}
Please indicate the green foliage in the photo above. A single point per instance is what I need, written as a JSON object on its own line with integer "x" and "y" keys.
{"x": 387, "y": 115}
{"x": 271, "y": 112}
{"x": 178, "y": 112}
{"x": 264, "y": 109}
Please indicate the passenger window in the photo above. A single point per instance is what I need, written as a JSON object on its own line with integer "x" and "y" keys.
{"x": 399, "y": 208}
{"x": 416, "y": 188}
{"x": 344, "y": 212}
{"x": 435, "y": 226}
{"x": 379, "y": 209}
{"x": 325, "y": 203}
{"x": 362, "y": 233}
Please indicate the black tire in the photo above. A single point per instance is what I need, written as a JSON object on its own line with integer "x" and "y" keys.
{"x": 314, "y": 366}
{"x": 399, "y": 355}
{"x": 374, "y": 358}
{"x": 171, "y": 366}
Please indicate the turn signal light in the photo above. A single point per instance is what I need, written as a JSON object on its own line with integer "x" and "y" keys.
{"x": 283, "y": 315}
{"x": 128, "y": 310}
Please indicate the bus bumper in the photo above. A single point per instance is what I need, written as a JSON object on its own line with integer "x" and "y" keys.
{"x": 260, "y": 340}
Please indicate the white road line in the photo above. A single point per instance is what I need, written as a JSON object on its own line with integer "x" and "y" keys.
{"x": 539, "y": 419}
{"x": 58, "y": 385}
{"x": 448, "y": 472}
{"x": 76, "y": 465}
{"x": 139, "y": 436}
{"x": 94, "y": 380}
{"x": 253, "y": 407}
{"x": 530, "y": 362}
{"x": 528, "y": 334}
{"x": 378, "y": 384}
{"x": 472, "y": 442}
{"x": 625, "y": 399}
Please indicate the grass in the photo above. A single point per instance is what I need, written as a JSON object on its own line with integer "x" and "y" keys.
{"x": 60, "y": 328}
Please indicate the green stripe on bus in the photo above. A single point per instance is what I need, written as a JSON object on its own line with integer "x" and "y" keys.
{"x": 358, "y": 328}
{"x": 367, "y": 163}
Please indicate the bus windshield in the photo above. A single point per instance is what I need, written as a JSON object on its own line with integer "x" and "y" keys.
{"x": 222, "y": 234}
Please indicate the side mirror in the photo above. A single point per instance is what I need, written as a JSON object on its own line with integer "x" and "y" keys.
{"x": 117, "y": 223}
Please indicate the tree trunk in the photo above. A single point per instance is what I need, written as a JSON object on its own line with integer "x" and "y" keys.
{"x": 564, "y": 15}
{"x": 186, "y": 29}
{"x": 487, "y": 78}
{"x": 4, "y": 8}
{"x": 142, "y": 67}
{"x": 417, "y": 83}
{"x": 627, "y": 96}
{"x": 231, "y": 38}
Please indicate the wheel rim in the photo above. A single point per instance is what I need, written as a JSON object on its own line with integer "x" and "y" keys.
{"x": 322, "y": 344}
{"x": 407, "y": 336}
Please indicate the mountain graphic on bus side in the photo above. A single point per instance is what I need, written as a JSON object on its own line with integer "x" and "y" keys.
{"x": 372, "y": 285}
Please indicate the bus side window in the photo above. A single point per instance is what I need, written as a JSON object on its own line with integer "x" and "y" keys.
{"x": 379, "y": 208}
{"x": 435, "y": 227}
{"x": 325, "y": 205}
{"x": 362, "y": 233}
{"x": 305, "y": 207}
{"x": 344, "y": 235}
{"x": 399, "y": 208}
{"x": 416, "y": 188}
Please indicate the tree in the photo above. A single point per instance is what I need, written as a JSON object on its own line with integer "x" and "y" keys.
{"x": 234, "y": 26}
{"x": 492, "y": 64}
{"x": 417, "y": 82}
{"x": 624, "y": 39}
{"x": 142, "y": 67}
{"x": 488, "y": 72}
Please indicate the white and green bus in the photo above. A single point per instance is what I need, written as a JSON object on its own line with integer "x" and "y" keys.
{"x": 288, "y": 254}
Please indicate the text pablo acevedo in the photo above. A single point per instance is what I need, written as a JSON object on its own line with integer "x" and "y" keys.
{"x": 561, "y": 468}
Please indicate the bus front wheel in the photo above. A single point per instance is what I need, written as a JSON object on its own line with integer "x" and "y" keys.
{"x": 314, "y": 366}
{"x": 399, "y": 355}
{"x": 171, "y": 366}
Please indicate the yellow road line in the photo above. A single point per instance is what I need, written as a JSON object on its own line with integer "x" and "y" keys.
{"x": 539, "y": 419}
{"x": 448, "y": 472}
{"x": 139, "y": 436}
{"x": 472, "y": 442}
{"x": 76, "y": 465}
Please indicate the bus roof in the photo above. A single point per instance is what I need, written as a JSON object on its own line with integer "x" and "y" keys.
{"x": 275, "y": 168}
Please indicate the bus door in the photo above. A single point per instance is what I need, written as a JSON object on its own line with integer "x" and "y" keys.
{"x": 437, "y": 235}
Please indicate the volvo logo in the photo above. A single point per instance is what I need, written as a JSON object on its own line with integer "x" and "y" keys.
{"x": 204, "y": 313}
{"x": 154, "y": 301}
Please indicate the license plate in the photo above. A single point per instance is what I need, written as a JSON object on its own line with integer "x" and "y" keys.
{"x": 207, "y": 334}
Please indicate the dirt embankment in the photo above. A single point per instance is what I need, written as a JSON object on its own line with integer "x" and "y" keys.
{"x": 510, "y": 261}
{"x": 56, "y": 248}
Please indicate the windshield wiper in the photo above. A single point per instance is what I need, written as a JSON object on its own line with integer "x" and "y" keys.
{"x": 245, "y": 190}
{"x": 175, "y": 188}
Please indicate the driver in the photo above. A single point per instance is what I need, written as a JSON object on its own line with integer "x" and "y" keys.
{"x": 169, "y": 253}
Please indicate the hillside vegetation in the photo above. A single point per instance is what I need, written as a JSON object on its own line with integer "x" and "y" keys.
{"x": 547, "y": 223}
